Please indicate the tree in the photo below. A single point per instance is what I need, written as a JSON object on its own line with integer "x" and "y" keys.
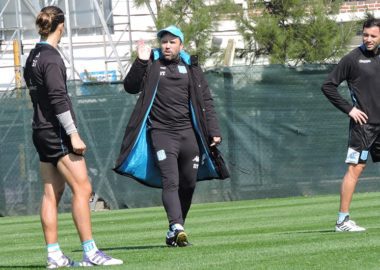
{"x": 196, "y": 20}
{"x": 296, "y": 31}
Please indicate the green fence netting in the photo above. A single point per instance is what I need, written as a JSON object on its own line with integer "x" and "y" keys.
{"x": 281, "y": 137}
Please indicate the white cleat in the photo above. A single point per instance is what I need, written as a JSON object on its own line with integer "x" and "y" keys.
{"x": 348, "y": 226}
{"x": 99, "y": 258}
{"x": 63, "y": 261}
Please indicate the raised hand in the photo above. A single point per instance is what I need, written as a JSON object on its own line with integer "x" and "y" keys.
{"x": 143, "y": 50}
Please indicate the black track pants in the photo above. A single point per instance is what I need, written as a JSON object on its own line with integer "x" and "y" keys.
{"x": 177, "y": 156}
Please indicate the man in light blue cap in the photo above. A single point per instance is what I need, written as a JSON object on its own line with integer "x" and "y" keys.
{"x": 175, "y": 31}
{"x": 175, "y": 112}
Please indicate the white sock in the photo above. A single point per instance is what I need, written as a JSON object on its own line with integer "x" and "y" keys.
{"x": 89, "y": 247}
{"x": 177, "y": 226}
{"x": 54, "y": 251}
{"x": 342, "y": 216}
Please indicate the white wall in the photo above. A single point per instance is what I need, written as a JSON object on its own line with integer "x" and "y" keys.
{"x": 89, "y": 51}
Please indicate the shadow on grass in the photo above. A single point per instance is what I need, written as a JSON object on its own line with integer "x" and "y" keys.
{"x": 310, "y": 231}
{"x": 22, "y": 266}
{"x": 126, "y": 248}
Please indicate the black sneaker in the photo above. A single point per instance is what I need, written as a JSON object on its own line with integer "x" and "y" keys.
{"x": 177, "y": 237}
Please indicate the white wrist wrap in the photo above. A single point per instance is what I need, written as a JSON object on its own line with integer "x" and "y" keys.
{"x": 67, "y": 122}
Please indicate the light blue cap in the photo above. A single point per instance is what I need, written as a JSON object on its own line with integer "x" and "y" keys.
{"x": 175, "y": 31}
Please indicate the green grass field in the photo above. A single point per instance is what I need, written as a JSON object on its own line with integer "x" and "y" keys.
{"x": 287, "y": 233}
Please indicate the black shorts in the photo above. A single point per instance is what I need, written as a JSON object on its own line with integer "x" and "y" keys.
{"x": 363, "y": 140}
{"x": 52, "y": 144}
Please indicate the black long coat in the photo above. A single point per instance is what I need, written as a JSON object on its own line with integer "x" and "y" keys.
{"x": 143, "y": 78}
